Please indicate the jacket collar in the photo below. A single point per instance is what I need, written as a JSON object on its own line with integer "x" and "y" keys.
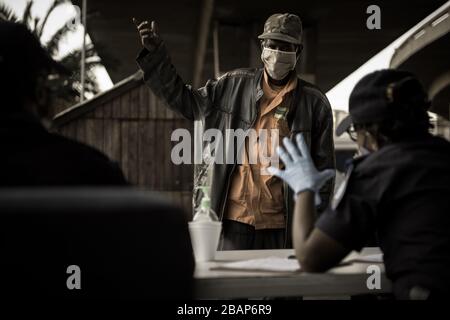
{"x": 258, "y": 90}
{"x": 258, "y": 84}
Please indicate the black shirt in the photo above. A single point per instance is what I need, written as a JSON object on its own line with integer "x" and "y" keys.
{"x": 32, "y": 156}
{"x": 401, "y": 193}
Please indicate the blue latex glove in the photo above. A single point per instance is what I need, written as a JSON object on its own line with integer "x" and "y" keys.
{"x": 300, "y": 173}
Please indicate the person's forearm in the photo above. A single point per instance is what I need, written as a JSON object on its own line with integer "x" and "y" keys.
{"x": 303, "y": 223}
{"x": 161, "y": 76}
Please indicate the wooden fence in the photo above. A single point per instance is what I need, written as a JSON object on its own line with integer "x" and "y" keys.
{"x": 131, "y": 126}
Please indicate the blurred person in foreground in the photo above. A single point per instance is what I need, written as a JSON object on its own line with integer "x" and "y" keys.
{"x": 31, "y": 155}
{"x": 111, "y": 248}
{"x": 398, "y": 189}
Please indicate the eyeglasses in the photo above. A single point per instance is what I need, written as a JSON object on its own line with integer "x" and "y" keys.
{"x": 352, "y": 133}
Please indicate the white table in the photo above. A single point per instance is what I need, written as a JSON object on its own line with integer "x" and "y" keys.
{"x": 340, "y": 281}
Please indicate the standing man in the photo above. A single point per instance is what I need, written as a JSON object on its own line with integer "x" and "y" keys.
{"x": 255, "y": 208}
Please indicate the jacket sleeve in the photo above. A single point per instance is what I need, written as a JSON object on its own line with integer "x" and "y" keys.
{"x": 322, "y": 146}
{"x": 160, "y": 75}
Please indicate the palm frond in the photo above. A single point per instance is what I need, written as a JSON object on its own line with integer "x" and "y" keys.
{"x": 35, "y": 25}
{"x": 68, "y": 89}
{"x": 52, "y": 7}
{"x": 75, "y": 55}
{"x": 26, "y": 17}
{"x": 6, "y": 13}
{"x": 52, "y": 45}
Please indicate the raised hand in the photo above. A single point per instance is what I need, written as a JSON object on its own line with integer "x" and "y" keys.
{"x": 148, "y": 33}
{"x": 300, "y": 173}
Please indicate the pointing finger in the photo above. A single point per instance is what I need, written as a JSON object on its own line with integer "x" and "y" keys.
{"x": 143, "y": 24}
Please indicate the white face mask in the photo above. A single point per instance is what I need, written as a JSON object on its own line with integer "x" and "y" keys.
{"x": 278, "y": 63}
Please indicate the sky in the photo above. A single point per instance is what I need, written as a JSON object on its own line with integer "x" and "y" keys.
{"x": 57, "y": 19}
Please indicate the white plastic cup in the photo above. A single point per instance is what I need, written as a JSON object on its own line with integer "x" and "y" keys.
{"x": 205, "y": 239}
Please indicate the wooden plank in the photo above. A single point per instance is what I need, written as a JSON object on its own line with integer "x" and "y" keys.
{"x": 107, "y": 139}
{"x": 152, "y": 104}
{"x": 133, "y": 109}
{"x": 187, "y": 170}
{"x": 125, "y": 106}
{"x": 160, "y": 156}
{"x": 161, "y": 110}
{"x": 168, "y": 177}
{"x": 112, "y": 139}
{"x": 177, "y": 169}
{"x": 147, "y": 161}
{"x": 124, "y": 126}
{"x": 115, "y": 112}
{"x": 152, "y": 153}
{"x": 107, "y": 109}
{"x": 99, "y": 136}
{"x": 98, "y": 112}
{"x": 90, "y": 133}
{"x": 81, "y": 109}
{"x": 170, "y": 114}
{"x": 133, "y": 152}
{"x": 81, "y": 130}
{"x": 143, "y": 102}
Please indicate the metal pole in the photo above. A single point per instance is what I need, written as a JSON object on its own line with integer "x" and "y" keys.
{"x": 207, "y": 11}
{"x": 83, "y": 51}
{"x": 216, "y": 50}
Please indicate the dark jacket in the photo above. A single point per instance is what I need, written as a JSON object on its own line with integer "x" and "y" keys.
{"x": 230, "y": 102}
{"x": 32, "y": 156}
{"x": 400, "y": 193}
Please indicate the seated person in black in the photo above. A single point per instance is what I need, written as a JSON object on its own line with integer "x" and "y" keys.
{"x": 398, "y": 189}
{"x": 119, "y": 254}
{"x": 30, "y": 155}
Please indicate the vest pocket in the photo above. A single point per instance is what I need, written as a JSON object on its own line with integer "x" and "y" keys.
{"x": 239, "y": 184}
{"x": 272, "y": 200}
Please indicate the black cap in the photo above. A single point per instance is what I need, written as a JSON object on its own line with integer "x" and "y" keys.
{"x": 383, "y": 95}
{"x": 21, "y": 52}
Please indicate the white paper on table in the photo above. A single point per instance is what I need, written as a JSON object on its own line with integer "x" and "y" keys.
{"x": 371, "y": 258}
{"x": 272, "y": 264}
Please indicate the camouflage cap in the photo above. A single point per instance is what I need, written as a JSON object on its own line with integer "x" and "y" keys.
{"x": 284, "y": 27}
